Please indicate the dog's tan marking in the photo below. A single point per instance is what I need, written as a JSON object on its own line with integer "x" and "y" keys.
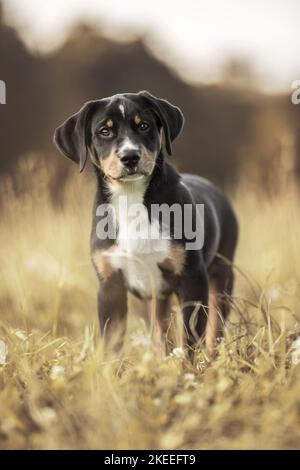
{"x": 111, "y": 164}
{"x": 137, "y": 119}
{"x": 148, "y": 160}
{"x": 214, "y": 321}
{"x": 102, "y": 262}
{"x": 175, "y": 261}
{"x": 109, "y": 123}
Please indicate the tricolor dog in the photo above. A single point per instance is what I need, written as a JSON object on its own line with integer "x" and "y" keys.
{"x": 155, "y": 232}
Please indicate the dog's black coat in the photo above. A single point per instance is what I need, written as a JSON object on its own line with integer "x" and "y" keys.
{"x": 201, "y": 269}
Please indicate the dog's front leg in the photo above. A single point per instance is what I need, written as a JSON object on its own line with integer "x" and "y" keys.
{"x": 193, "y": 297}
{"x": 159, "y": 311}
{"x": 112, "y": 310}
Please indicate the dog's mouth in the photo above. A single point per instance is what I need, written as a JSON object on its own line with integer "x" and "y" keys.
{"x": 132, "y": 177}
{"x": 129, "y": 176}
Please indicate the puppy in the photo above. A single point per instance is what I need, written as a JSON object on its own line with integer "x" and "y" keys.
{"x": 155, "y": 232}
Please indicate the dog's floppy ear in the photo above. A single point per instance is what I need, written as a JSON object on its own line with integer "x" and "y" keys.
{"x": 71, "y": 137}
{"x": 170, "y": 116}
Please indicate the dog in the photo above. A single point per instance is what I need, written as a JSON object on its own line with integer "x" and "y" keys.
{"x": 128, "y": 138}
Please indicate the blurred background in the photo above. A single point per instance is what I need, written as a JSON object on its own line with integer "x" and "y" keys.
{"x": 228, "y": 65}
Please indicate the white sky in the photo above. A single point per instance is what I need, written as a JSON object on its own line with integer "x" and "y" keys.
{"x": 194, "y": 35}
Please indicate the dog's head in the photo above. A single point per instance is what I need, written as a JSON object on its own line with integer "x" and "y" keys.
{"x": 124, "y": 134}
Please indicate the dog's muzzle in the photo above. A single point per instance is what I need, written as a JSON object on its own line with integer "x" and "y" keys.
{"x": 130, "y": 162}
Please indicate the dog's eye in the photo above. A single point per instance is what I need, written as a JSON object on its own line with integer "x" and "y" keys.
{"x": 144, "y": 126}
{"x": 105, "y": 132}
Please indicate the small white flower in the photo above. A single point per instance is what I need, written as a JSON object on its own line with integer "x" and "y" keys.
{"x": 295, "y": 355}
{"x": 57, "y": 371}
{"x": 48, "y": 415}
{"x": 21, "y": 335}
{"x": 190, "y": 380}
{"x": 3, "y": 352}
{"x": 189, "y": 377}
{"x": 157, "y": 401}
{"x": 138, "y": 338}
{"x": 296, "y": 343}
{"x": 178, "y": 352}
{"x": 274, "y": 292}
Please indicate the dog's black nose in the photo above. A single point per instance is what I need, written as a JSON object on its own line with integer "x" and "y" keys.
{"x": 130, "y": 160}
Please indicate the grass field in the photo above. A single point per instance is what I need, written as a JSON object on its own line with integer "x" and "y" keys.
{"x": 57, "y": 390}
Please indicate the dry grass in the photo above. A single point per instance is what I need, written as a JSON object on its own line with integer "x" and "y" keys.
{"x": 57, "y": 390}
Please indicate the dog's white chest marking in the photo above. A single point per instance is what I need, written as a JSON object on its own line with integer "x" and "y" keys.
{"x": 140, "y": 246}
